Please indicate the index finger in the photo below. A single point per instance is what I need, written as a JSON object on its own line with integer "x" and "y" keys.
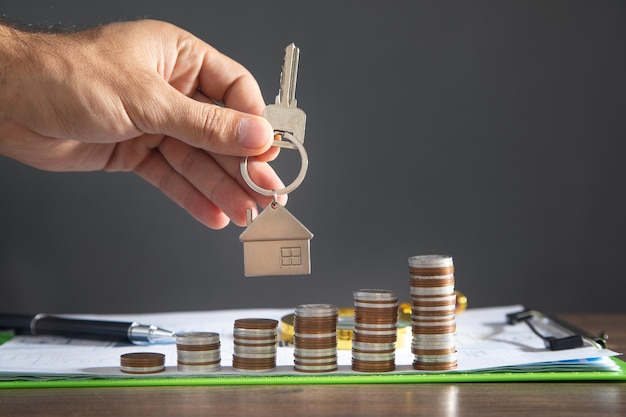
{"x": 222, "y": 78}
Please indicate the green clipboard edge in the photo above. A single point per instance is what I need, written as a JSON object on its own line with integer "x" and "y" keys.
{"x": 328, "y": 379}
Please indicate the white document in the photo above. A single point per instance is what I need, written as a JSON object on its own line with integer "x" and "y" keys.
{"x": 485, "y": 343}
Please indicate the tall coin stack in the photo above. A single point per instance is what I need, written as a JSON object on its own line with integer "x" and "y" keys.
{"x": 198, "y": 352}
{"x": 255, "y": 342}
{"x": 315, "y": 338}
{"x": 375, "y": 331}
{"x": 433, "y": 312}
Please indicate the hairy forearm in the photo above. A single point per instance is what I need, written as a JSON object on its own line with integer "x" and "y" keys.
{"x": 8, "y": 40}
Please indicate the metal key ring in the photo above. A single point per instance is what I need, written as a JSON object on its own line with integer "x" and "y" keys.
{"x": 243, "y": 165}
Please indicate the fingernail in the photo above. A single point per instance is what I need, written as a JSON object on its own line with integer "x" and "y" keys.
{"x": 254, "y": 133}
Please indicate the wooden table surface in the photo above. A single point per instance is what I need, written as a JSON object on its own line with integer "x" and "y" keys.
{"x": 440, "y": 399}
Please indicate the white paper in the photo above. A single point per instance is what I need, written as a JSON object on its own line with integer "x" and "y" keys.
{"x": 484, "y": 343}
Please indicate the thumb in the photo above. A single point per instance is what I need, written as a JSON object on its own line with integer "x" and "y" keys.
{"x": 211, "y": 127}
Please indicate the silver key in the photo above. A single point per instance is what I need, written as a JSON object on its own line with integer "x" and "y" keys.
{"x": 285, "y": 116}
{"x": 276, "y": 243}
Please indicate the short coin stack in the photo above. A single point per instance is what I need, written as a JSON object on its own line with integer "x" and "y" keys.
{"x": 198, "y": 352}
{"x": 433, "y": 312}
{"x": 375, "y": 330}
{"x": 142, "y": 363}
{"x": 315, "y": 338}
{"x": 255, "y": 342}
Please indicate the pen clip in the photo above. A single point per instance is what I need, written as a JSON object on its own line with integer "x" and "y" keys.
{"x": 556, "y": 334}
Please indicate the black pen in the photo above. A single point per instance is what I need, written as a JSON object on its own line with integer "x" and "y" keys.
{"x": 44, "y": 324}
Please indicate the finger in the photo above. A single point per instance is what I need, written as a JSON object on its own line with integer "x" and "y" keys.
{"x": 230, "y": 82}
{"x": 209, "y": 178}
{"x": 261, "y": 174}
{"x": 201, "y": 125}
{"x": 159, "y": 173}
{"x": 268, "y": 155}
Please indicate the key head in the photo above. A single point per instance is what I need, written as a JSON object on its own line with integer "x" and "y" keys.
{"x": 286, "y": 119}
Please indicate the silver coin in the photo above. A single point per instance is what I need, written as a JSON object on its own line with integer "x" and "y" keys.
{"x": 450, "y": 357}
{"x": 438, "y": 318}
{"x": 316, "y": 368}
{"x": 416, "y": 292}
{"x": 432, "y": 346}
{"x": 142, "y": 369}
{"x": 312, "y": 353}
{"x": 266, "y": 333}
{"x": 375, "y": 295}
{"x": 430, "y": 261}
{"x": 316, "y": 310}
{"x": 372, "y": 347}
{"x": 376, "y": 326}
{"x": 448, "y": 337}
{"x": 446, "y": 298}
{"x": 439, "y": 309}
{"x": 255, "y": 355}
{"x": 252, "y": 342}
{"x": 256, "y": 349}
{"x": 373, "y": 357}
{"x": 375, "y": 306}
{"x": 423, "y": 338}
{"x": 419, "y": 280}
{"x": 315, "y": 335}
{"x": 198, "y": 369}
{"x": 197, "y": 338}
{"x": 198, "y": 356}
{"x": 376, "y": 332}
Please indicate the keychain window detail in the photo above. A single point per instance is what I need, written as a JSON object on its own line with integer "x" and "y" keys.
{"x": 291, "y": 256}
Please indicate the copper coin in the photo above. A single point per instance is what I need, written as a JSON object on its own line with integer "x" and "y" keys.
{"x": 329, "y": 360}
{"x": 254, "y": 323}
{"x": 434, "y": 366}
{"x": 433, "y": 329}
{"x": 142, "y": 363}
{"x": 192, "y": 348}
{"x": 374, "y": 339}
{"x": 365, "y": 366}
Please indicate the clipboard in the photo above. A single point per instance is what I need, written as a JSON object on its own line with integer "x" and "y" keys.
{"x": 618, "y": 373}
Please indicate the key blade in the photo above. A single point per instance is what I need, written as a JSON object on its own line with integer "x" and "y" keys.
{"x": 288, "y": 77}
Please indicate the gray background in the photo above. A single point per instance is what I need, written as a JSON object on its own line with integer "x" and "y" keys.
{"x": 490, "y": 131}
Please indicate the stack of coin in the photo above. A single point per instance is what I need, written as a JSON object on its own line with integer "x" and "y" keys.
{"x": 198, "y": 352}
{"x": 142, "y": 363}
{"x": 433, "y": 312}
{"x": 255, "y": 342}
{"x": 315, "y": 338}
{"x": 375, "y": 330}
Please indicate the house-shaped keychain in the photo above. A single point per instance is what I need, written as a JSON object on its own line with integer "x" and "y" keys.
{"x": 275, "y": 243}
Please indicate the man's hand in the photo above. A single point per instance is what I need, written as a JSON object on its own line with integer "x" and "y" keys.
{"x": 138, "y": 96}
